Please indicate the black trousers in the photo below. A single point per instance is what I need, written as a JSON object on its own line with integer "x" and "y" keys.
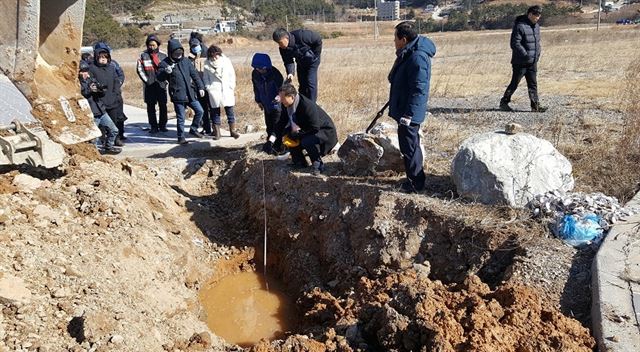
{"x": 312, "y": 145}
{"x": 271, "y": 119}
{"x": 529, "y": 72}
{"x": 206, "y": 117}
{"x": 155, "y": 94}
{"x": 409, "y": 140}
{"x": 308, "y": 80}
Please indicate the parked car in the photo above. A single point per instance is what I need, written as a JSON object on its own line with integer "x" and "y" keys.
{"x": 624, "y": 21}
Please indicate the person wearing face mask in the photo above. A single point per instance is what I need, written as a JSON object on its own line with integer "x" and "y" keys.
{"x": 155, "y": 90}
{"x": 107, "y": 85}
{"x": 182, "y": 77}
{"x": 220, "y": 80}
{"x": 197, "y": 57}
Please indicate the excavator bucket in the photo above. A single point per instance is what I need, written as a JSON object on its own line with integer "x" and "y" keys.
{"x": 40, "y": 44}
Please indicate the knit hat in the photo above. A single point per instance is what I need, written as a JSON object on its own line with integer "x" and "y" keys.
{"x": 261, "y": 60}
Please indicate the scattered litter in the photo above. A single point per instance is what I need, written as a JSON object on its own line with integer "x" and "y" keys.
{"x": 579, "y": 218}
{"x": 578, "y": 231}
{"x": 198, "y": 242}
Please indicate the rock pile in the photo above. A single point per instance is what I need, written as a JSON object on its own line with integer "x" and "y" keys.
{"x": 556, "y": 204}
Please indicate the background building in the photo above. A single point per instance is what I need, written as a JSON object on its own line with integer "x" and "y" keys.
{"x": 389, "y": 10}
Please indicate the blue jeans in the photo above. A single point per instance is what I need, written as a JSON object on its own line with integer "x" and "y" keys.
{"x": 108, "y": 128}
{"x": 180, "y": 110}
{"x": 228, "y": 110}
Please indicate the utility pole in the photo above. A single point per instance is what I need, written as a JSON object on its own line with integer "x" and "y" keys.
{"x": 599, "y": 9}
{"x": 375, "y": 19}
{"x": 286, "y": 18}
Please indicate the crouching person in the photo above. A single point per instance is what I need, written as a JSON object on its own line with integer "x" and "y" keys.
{"x": 182, "y": 77}
{"x": 266, "y": 82}
{"x": 94, "y": 91}
{"x": 306, "y": 127}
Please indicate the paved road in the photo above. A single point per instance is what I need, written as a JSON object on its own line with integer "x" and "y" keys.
{"x": 141, "y": 144}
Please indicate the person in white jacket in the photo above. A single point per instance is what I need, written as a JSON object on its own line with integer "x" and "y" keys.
{"x": 220, "y": 81}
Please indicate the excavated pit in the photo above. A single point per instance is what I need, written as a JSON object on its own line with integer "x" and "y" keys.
{"x": 374, "y": 269}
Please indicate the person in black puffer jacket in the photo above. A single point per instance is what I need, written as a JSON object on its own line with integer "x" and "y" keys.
{"x": 109, "y": 83}
{"x": 182, "y": 77}
{"x": 525, "y": 46}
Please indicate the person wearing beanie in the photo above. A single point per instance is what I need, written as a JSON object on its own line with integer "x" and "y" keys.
{"x": 525, "y": 48}
{"x": 266, "y": 81}
{"x": 155, "y": 90}
{"x": 182, "y": 77}
{"x": 220, "y": 80}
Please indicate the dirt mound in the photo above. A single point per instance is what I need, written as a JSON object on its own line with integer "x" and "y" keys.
{"x": 105, "y": 260}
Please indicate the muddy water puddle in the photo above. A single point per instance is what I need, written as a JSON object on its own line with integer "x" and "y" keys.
{"x": 241, "y": 310}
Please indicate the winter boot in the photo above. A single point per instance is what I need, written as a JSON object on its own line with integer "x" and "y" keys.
{"x": 536, "y": 107}
{"x": 216, "y": 132}
{"x": 504, "y": 105}
{"x": 232, "y": 130}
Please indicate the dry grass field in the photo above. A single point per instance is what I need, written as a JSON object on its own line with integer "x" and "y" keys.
{"x": 587, "y": 70}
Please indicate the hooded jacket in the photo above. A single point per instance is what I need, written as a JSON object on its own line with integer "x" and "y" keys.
{"x": 149, "y": 64}
{"x": 410, "y": 79}
{"x": 305, "y": 47}
{"x": 110, "y": 95}
{"x": 265, "y": 86}
{"x": 182, "y": 75}
{"x": 525, "y": 42}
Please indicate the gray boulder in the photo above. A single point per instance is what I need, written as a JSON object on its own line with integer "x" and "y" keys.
{"x": 365, "y": 154}
{"x": 497, "y": 168}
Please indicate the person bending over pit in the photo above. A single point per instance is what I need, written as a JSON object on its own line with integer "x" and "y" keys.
{"x": 266, "y": 81}
{"x": 300, "y": 51}
{"x": 180, "y": 73}
{"x": 308, "y": 126}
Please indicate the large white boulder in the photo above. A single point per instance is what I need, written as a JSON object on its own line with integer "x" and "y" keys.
{"x": 498, "y": 168}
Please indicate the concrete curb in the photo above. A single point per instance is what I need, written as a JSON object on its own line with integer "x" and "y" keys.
{"x": 615, "y": 307}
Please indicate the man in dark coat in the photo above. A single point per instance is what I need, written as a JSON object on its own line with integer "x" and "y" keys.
{"x": 93, "y": 91}
{"x": 155, "y": 91}
{"x": 267, "y": 80}
{"x": 181, "y": 74}
{"x": 105, "y": 75}
{"x": 410, "y": 78}
{"x": 525, "y": 47}
{"x": 305, "y": 47}
{"x": 304, "y": 121}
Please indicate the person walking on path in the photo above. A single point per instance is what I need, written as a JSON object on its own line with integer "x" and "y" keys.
{"x": 301, "y": 50}
{"x": 155, "y": 91}
{"x": 220, "y": 82}
{"x": 526, "y": 49}
{"x": 182, "y": 75}
{"x": 410, "y": 78}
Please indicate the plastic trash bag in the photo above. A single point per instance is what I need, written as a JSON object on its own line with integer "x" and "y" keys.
{"x": 579, "y": 230}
